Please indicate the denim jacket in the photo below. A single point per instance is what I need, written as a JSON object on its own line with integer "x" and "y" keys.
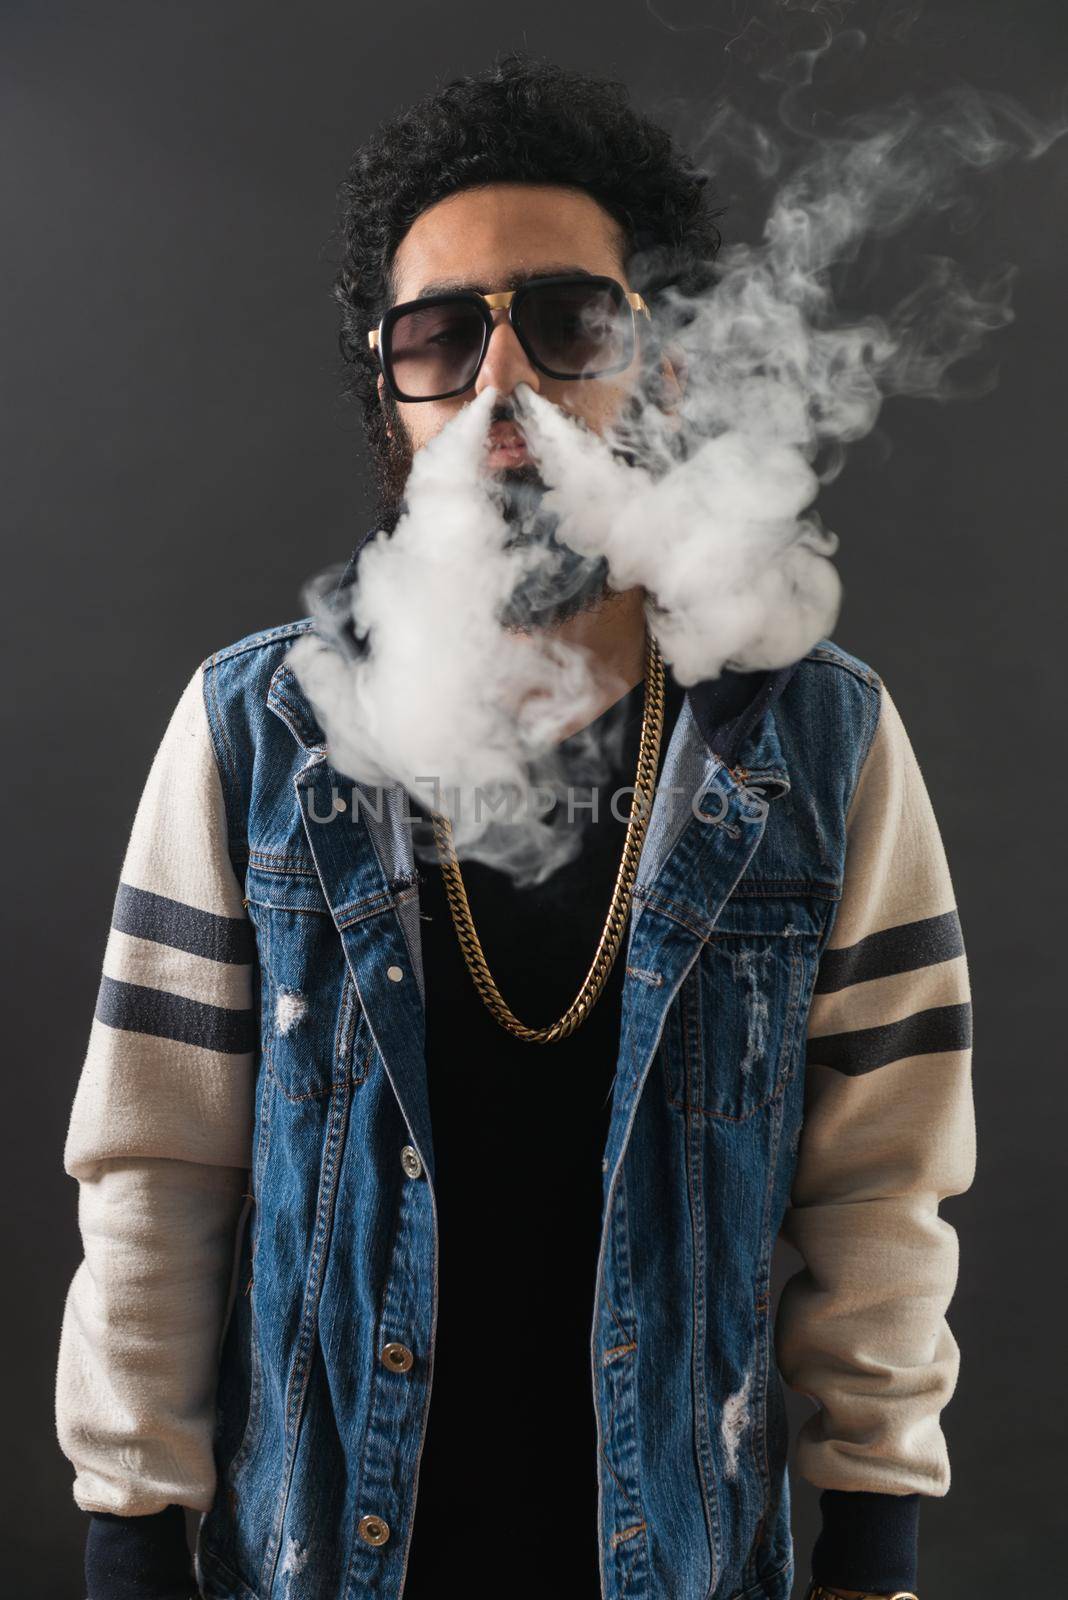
{"x": 252, "y": 1142}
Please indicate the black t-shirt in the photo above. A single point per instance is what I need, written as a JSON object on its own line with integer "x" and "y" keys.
{"x": 508, "y": 1476}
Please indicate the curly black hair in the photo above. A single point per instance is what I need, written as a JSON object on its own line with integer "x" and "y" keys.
{"x": 523, "y": 120}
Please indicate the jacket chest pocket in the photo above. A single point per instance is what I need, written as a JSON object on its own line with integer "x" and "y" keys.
{"x": 313, "y": 1033}
{"x": 736, "y": 1030}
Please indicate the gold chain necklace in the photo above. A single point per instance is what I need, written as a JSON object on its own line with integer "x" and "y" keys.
{"x": 618, "y": 910}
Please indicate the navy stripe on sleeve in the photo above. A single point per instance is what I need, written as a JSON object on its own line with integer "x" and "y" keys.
{"x": 138, "y": 1009}
{"x": 924, "y": 1033}
{"x": 172, "y": 922}
{"x": 902, "y": 949}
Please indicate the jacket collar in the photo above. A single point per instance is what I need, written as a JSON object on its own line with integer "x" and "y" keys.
{"x": 726, "y": 709}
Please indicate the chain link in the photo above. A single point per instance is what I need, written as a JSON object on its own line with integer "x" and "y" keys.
{"x": 618, "y": 910}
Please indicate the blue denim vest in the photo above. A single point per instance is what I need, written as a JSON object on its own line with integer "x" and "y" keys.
{"x": 326, "y": 1361}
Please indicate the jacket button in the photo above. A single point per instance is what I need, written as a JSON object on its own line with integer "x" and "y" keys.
{"x": 373, "y": 1529}
{"x": 394, "y": 974}
{"x": 410, "y": 1161}
{"x": 397, "y": 1357}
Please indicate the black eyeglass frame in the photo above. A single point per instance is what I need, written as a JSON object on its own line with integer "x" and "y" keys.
{"x": 486, "y": 304}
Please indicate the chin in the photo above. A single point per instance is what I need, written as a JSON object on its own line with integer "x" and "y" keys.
{"x": 527, "y": 610}
{"x": 526, "y": 475}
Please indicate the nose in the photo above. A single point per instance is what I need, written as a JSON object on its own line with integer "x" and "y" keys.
{"x": 506, "y": 363}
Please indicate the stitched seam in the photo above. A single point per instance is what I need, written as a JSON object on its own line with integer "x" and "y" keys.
{"x": 310, "y": 1094}
{"x": 833, "y": 658}
{"x": 782, "y": 888}
{"x": 280, "y": 862}
{"x": 284, "y": 630}
{"x": 871, "y": 728}
{"x": 691, "y": 1028}
{"x": 217, "y": 1561}
{"x": 723, "y": 1116}
{"x": 226, "y": 767}
{"x": 279, "y": 905}
{"x": 357, "y": 1548}
{"x": 627, "y": 1533}
{"x": 297, "y": 1386}
{"x": 760, "y": 1587}
{"x": 251, "y": 1433}
{"x": 266, "y": 1039}
{"x": 230, "y": 762}
{"x": 373, "y": 906}
{"x": 366, "y": 1061}
{"x": 345, "y": 1031}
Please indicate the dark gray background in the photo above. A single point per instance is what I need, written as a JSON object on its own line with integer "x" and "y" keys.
{"x": 177, "y": 463}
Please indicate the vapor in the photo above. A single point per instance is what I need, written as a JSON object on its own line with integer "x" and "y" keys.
{"x": 444, "y": 700}
{"x": 708, "y": 505}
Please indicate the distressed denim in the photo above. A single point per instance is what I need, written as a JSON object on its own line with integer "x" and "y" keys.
{"x": 326, "y": 1366}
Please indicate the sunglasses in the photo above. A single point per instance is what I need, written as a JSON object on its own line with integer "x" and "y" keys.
{"x": 569, "y": 328}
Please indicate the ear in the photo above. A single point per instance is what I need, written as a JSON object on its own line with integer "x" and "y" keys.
{"x": 382, "y": 403}
{"x": 670, "y": 383}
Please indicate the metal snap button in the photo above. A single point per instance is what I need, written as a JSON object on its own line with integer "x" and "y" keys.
{"x": 373, "y": 1529}
{"x": 394, "y": 974}
{"x": 397, "y": 1357}
{"x": 410, "y": 1161}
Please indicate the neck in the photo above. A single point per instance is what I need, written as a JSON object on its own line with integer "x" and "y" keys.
{"x": 612, "y": 634}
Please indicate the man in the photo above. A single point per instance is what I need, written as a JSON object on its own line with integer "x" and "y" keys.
{"x": 435, "y": 1202}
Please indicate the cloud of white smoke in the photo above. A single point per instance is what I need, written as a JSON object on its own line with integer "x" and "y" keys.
{"x": 709, "y": 508}
{"x": 460, "y": 711}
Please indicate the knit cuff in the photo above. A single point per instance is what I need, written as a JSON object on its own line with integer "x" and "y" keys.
{"x": 138, "y": 1557}
{"x": 868, "y": 1541}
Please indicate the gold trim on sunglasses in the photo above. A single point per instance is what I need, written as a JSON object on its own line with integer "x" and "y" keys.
{"x": 501, "y": 302}
{"x": 467, "y": 366}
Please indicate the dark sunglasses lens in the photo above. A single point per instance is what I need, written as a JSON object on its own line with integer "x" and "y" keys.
{"x": 434, "y": 349}
{"x": 577, "y": 330}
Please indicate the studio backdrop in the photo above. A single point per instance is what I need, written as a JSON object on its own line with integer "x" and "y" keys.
{"x": 180, "y": 460}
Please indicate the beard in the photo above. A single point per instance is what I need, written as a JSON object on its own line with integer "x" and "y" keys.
{"x": 557, "y": 582}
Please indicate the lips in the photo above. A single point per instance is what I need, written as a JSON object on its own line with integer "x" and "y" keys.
{"x": 506, "y": 445}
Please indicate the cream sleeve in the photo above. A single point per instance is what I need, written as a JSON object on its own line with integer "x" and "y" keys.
{"x": 888, "y": 1132}
{"x": 159, "y": 1142}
